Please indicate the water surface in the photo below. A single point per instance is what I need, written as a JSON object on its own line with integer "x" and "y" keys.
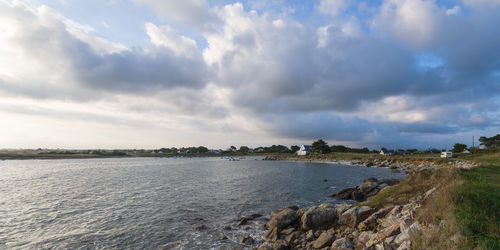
{"x": 155, "y": 203}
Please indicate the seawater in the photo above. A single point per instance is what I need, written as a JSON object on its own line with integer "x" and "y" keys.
{"x": 155, "y": 203}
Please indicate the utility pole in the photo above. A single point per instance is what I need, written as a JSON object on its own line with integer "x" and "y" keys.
{"x": 472, "y": 149}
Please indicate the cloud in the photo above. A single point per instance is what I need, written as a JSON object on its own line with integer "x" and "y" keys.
{"x": 333, "y": 7}
{"x": 196, "y": 13}
{"x": 409, "y": 72}
{"x": 49, "y": 55}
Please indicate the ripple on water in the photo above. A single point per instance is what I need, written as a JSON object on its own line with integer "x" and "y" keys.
{"x": 155, "y": 203}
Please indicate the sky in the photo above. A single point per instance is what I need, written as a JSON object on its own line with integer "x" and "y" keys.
{"x": 165, "y": 73}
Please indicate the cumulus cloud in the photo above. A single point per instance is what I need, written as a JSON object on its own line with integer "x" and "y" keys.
{"x": 41, "y": 50}
{"x": 333, "y": 7}
{"x": 409, "y": 72}
{"x": 196, "y": 13}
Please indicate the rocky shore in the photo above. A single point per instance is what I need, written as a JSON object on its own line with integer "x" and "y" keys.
{"x": 342, "y": 226}
{"x": 404, "y": 163}
{"x": 354, "y": 226}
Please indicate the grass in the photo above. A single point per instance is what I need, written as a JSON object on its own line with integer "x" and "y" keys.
{"x": 464, "y": 210}
{"x": 478, "y": 206}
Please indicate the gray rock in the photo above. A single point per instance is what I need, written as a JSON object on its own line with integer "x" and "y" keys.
{"x": 341, "y": 208}
{"x": 405, "y": 245}
{"x": 319, "y": 217}
{"x": 281, "y": 245}
{"x": 283, "y": 218}
{"x": 325, "y": 239}
{"x": 344, "y": 194}
{"x": 247, "y": 240}
{"x": 371, "y": 222}
{"x": 355, "y": 215}
{"x": 340, "y": 244}
{"x": 367, "y": 186}
{"x": 357, "y": 195}
{"x": 365, "y": 236}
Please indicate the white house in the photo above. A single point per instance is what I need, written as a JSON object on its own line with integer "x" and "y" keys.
{"x": 446, "y": 154}
{"x": 305, "y": 150}
{"x": 384, "y": 152}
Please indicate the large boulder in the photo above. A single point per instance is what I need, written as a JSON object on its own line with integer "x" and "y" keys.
{"x": 321, "y": 217}
{"x": 355, "y": 215}
{"x": 282, "y": 218}
{"x": 325, "y": 239}
{"x": 344, "y": 194}
{"x": 368, "y": 186}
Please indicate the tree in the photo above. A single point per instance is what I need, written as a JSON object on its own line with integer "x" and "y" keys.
{"x": 490, "y": 142}
{"x": 244, "y": 149}
{"x": 458, "y": 147}
{"x": 232, "y": 148}
{"x": 294, "y": 148}
{"x": 321, "y": 146}
{"x": 202, "y": 149}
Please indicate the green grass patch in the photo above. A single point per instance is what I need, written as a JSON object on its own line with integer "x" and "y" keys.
{"x": 478, "y": 206}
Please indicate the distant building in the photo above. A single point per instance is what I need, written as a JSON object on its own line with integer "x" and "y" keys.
{"x": 305, "y": 150}
{"x": 446, "y": 154}
{"x": 466, "y": 151}
{"x": 385, "y": 152}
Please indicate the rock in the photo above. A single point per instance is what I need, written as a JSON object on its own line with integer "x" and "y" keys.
{"x": 365, "y": 236}
{"x": 319, "y": 217}
{"x": 344, "y": 194}
{"x": 341, "y": 208}
{"x": 406, "y": 231}
{"x": 325, "y": 239}
{"x": 301, "y": 212}
{"x": 242, "y": 221}
{"x": 389, "y": 240}
{"x": 264, "y": 247}
{"x": 263, "y": 227}
{"x": 291, "y": 237}
{"x": 295, "y": 208}
{"x": 324, "y": 180}
{"x": 283, "y": 218}
{"x": 389, "y": 182}
{"x": 371, "y": 222}
{"x": 222, "y": 237}
{"x": 247, "y": 240}
{"x": 281, "y": 245}
{"x": 371, "y": 179}
{"x": 367, "y": 186}
{"x": 200, "y": 227}
{"x": 340, "y": 244}
{"x": 386, "y": 232}
{"x": 357, "y": 195}
{"x": 271, "y": 235}
{"x": 310, "y": 235}
{"x": 227, "y": 228}
{"x": 405, "y": 245}
{"x": 354, "y": 215}
{"x": 287, "y": 231}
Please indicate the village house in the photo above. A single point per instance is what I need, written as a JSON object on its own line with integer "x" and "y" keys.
{"x": 305, "y": 150}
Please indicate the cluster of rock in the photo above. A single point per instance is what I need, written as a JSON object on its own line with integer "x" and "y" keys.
{"x": 369, "y": 188}
{"x": 343, "y": 227}
{"x": 390, "y": 162}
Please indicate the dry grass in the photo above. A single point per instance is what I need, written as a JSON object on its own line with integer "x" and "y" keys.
{"x": 437, "y": 213}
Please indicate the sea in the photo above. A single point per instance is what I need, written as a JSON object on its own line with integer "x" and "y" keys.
{"x": 158, "y": 203}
